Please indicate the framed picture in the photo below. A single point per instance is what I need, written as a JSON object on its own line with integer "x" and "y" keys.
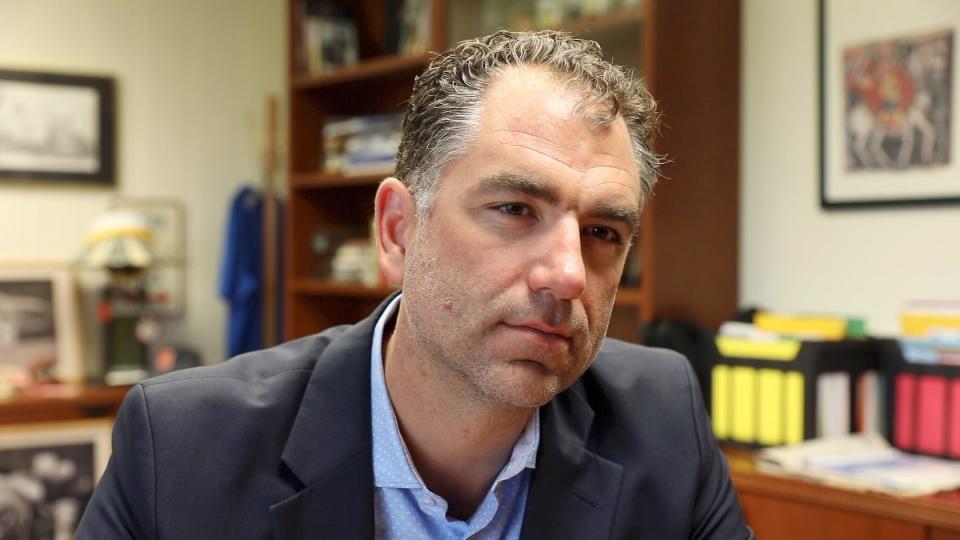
{"x": 166, "y": 280}
{"x": 39, "y": 327}
{"x": 47, "y": 475}
{"x": 887, "y": 100}
{"x": 56, "y": 127}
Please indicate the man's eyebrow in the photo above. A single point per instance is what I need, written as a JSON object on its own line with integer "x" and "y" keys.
{"x": 507, "y": 181}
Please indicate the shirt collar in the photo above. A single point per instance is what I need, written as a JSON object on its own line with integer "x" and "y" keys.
{"x": 392, "y": 466}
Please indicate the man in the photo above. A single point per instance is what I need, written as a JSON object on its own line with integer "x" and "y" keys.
{"x": 483, "y": 401}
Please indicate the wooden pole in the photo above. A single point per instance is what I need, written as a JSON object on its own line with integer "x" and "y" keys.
{"x": 270, "y": 228}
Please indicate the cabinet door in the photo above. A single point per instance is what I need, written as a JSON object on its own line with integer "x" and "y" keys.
{"x": 777, "y": 519}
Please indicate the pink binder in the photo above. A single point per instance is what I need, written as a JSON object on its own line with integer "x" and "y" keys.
{"x": 932, "y": 414}
{"x": 903, "y": 415}
{"x": 954, "y": 434}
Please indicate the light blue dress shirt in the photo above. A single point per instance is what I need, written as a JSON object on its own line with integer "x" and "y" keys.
{"x": 403, "y": 506}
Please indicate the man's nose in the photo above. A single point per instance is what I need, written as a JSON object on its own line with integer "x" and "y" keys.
{"x": 559, "y": 268}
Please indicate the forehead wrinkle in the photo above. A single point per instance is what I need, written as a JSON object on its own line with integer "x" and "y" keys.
{"x": 539, "y": 144}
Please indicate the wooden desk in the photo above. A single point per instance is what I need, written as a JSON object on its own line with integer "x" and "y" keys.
{"x": 779, "y": 508}
{"x": 53, "y": 403}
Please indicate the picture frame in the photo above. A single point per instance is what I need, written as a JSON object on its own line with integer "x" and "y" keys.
{"x": 48, "y": 474}
{"x": 56, "y": 126}
{"x": 39, "y": 325}
{"x": 888, "y": 130}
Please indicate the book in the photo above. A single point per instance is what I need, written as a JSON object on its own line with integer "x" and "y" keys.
{"x": 929, "y": 318}
{"x": 803, "y": 326}
{"x": 361, "y": 144}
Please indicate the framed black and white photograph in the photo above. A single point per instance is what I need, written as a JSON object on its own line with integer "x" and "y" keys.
{"x": 39, "y": 328}
{"x": 887, "y": 97}
{"x": 56, "y": 127}
{"x": 47, "y": 475}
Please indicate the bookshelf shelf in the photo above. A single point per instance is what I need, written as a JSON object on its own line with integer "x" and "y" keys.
{"x": 308, "y": 181}
{"x": 364, "y": 72}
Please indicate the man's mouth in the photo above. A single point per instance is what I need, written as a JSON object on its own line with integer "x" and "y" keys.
{"x": 544, "y": 328}
{"x": 542, "y": 337}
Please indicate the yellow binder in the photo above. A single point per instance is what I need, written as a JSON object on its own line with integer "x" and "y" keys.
{"x": 744, "y": 403}
{"x": 720, "y": 400}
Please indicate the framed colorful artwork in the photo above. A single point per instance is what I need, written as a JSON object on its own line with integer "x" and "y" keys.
{"x": 887, "y": 99}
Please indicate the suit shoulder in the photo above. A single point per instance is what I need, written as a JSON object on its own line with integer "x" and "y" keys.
{"x": 625, "y": 375}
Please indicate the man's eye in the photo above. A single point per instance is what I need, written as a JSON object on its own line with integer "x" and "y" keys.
{"x": 513, "y": 209}
{"x": 604, "y": 233}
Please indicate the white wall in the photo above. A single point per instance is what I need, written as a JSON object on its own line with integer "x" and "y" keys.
{"x": 192, "y": 79}
{"x": 794, "y": 255}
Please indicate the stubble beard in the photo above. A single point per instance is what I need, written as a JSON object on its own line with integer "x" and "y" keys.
{"x": 447, "y": 325}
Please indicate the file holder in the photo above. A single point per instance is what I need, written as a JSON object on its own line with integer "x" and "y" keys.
{"x": 767, "y": 394}
{"x": 923, "y": 411}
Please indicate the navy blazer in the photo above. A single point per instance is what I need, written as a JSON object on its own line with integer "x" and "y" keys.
{"x": 277, "y": 444}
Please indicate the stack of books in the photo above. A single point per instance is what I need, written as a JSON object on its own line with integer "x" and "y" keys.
{"x": 361, "y": 144}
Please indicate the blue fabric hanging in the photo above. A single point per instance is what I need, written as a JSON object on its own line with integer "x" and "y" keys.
{"x": 241, "y": 273}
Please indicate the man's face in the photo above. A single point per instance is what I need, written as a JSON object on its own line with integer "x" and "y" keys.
{"x": 509, "y": 283}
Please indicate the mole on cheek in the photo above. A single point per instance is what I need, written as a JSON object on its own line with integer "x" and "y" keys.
{"x": 446, "y": 304}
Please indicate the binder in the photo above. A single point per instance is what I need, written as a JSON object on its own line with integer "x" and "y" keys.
{"x": 954, "y": 435}
{"x": 923, "y": 402}
{"x": 744, "y": 404}
{"x": 932, "y": 414}
{"x": 765, "y": 393}
{"x": 720, "y": 414}
{"x": 793, "y": 408}
{"x": 770, "y": 400}
{"x": 903, "y": 415}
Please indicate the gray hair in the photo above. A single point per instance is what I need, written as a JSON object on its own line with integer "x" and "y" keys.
{"x": 444, "y": 111}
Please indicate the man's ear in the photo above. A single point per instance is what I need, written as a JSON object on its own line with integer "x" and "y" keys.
{"x": 395, "y": 218}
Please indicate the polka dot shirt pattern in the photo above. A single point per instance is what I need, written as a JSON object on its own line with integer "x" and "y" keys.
{"x": 403, "y": 506}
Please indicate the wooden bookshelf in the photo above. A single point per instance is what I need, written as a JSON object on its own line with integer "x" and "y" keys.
{"x": 306, "y": 181}
{"x": 688, "y": 53}
{"x": 372, "y": 69}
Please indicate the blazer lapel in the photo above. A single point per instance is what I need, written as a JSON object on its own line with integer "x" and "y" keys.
{"x": 574, "y": 492}
{"x": 329, "y": 450}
